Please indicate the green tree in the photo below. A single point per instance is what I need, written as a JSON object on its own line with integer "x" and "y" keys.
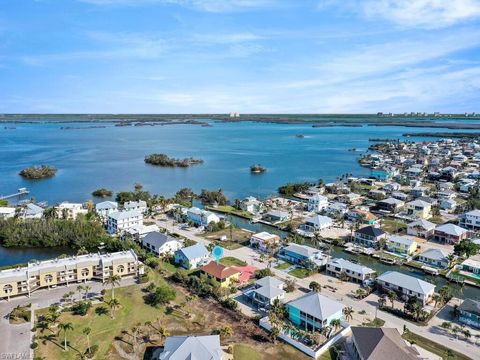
{"x": 113, "y": 304}
{"x": 112, "y": 280}
{"x": 315, "y": 286}
{"x": 65, "y": 327}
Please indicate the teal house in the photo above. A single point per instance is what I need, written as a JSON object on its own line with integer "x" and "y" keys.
{"x": 469, "y": 313}
{"x": 313, "y": 311}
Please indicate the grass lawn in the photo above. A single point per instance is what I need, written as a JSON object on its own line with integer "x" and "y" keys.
{"x": 431, "y": 346}
{"x": 267, "y": 352}
{"x": 436, "y": 220}
{"x": 377, "y": 322}
{"x": 230, "y": 210}
{"x": 236, "y": 238}
{"x": 231, "y": 261}
{"x": 300, "y": 273}
{"x": 393, "y": 226}
{"x": 283, "y": 266}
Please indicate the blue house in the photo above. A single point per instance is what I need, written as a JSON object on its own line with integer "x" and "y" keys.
{"x": 469, "y": 313}
{"x": 192, "y": 256}
{"x": 313, "y": 311}
{"x": 303, "y": 255}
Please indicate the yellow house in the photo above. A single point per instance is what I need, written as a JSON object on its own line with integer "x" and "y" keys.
{"x": 419, "y": 209}
{"x": 65, "y": 271}
{"x": 223, "y": 274}
{"x": 401, "y": 245}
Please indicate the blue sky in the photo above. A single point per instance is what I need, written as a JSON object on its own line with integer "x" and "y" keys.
{"x": 251, "y": 56}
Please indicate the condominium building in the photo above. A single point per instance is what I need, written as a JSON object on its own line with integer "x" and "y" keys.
{"x": 120, "y": 221}
{"x": 65, "y": 271}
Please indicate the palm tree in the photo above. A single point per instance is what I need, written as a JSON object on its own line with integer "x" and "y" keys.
{"x": 347, "y": 312}
{"x": 113, "y": 304}
{"x": 467, "y": 334}
{"x": 86, "y": 288}
{"x": 392, "y": 296}
{"x": 226, "y": 332}
{"x": 315, "y": 286}
{"x": 65, "y": 327}
{"x": 87, "y": 332}
{"x": 274, "y": 333}
{"x": 112, "y": 280}
{"x": 80, "y": 288}
{"x": 163, "y": 332}
{"x": 436, "y": 298}
{"x": 382, "y": 301}
{"x": 335, "y": 323}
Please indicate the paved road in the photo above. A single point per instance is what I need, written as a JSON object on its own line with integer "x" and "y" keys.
{"x": 15, "y": 339}
{"x": 432, "y": 332}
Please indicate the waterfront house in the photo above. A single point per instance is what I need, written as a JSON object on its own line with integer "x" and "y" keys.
{"x": 276, "y": 216}
{"x": 140, "y": 206}
{"x": 419, "y": 209}
{"x": 449, "y": 234}
{"x": 406, "y": 286}
{"x": 469, "y": 312}
{"x": 7, "y": 212}
{"x": 362, "y": 216}
{"x": 382, "y": 174}
{"x": 314, "y": 311}
{"x": 31, "y": 211}
{"x": 193, "y": 256}
{"x": 421, "y": 228}
{"x": 225, "y": 275}
{"x": 471, "y": 265}
{"x": 205, "y": 347}
{"x": 66, "y": 210}
{"x": 65, "y": 271}
{"x": 139, "y": 231}
{"x": 105, "y": 208}
{"x": 120, "y": 221}
{"x": 252, "y": 205}
{"x": 350, "y": 198}
{"x": 419, "y": 191}
{"x": 434, "y": 257}
{"x": 264, "y": 241}
{"x": 316, "y": 223}
{"x": 403, "y": 245}
{"x": 470, "y": 220}
{"x": 265, "y": 291}
{"x": 369, "y": 236}
{"x": 303, "y": 255}
{"x": 355, "y": 272}
{"x": 160, "y": 244}
{"x": 336, "y": 209}
{"x": 380, "y": 343}
{"x": 448, "y": 205}
{"x": 391, "y": 187}
{"x": 201, "y": 217}
{"x": 317, "y": 203}
{"x": 400, "y": 195}
{"x": 390, "y": 205}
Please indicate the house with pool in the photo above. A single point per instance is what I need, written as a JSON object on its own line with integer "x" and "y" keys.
{"x": 314, "y": 311}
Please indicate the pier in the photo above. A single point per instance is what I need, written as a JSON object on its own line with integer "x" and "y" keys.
{"x": 20, "y": 192}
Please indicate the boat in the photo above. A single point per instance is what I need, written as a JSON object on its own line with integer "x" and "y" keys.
{"x": 388, "y": 261}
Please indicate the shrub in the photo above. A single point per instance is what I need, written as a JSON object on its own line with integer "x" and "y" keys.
{"x": 81, "y": 308}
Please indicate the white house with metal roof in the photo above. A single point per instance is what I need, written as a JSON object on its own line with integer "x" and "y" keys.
{"x": 120, "y": 221}
{"x": 193, "y": 256}
{"x": 105, "y": 208}
{"x": 160, "y": 243}
{"x": 191, "y": 348}
{"x": 434, "y": 257}
{"x": 355, "y": 272}
{"x": 265, "y": 291}
{"x": 406, "y": 286}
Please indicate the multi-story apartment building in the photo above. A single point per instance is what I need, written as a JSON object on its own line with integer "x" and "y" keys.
{"x": 470, "y": 220}
{"x": 123, "y": 220}
{"x": 66, "y": 271}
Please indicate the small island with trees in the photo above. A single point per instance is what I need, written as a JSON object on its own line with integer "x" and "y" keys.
{"x": 257, "y": 169}
{"x": 102, "y": 192}
{"x": 38, "y": 172}
{"x": 165, "y": 161}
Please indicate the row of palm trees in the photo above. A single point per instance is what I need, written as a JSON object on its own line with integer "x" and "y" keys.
{"x": 455, "y": 330}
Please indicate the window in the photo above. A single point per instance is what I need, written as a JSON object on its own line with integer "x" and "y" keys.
{"x": 48, "y": 278}
{"x": 85, "y": 272}
{"x": 8, "y": 289}
{"x": 121, "y": 269}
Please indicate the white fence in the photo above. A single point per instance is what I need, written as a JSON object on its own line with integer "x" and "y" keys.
{"x": 305, "y": 349}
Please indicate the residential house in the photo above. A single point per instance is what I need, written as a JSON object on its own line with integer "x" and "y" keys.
{"x": 205, "y": 347}
{"x": 193, "y": 256}
{"x": 314, "y": 311}
{"x": 31, "y": 211}
{"x": 105, "y": 208}
{"x": 448, "y": 205}
{"x": 350, "y": 198}
{"x": 362, "y": 216}
{"x": 471, "y": 265}
{"x": 201, "y": 217}
{"x": 7, "y": 212}
{"x": 264, "y": 241}
{"x": 380, "y": 343}
{"x": 140, "y": 206}
{"x": 317, "y": 203}
{"x": 69, "y": 270}
{"x": 469, "y": 312}
{"x": 121, "y": 221}
{"x": 465, "y": 185}
{"x": 265, "y": 291}
{"x": 449, "y": 234}
{"x": 421, "y": 228}
{"x": 336, "y": 209}
{"x": 391, "y": 187}
{"x": 161, "y": 244}
{"x": 413, "y": 172}
{"x": 390, "y": 205}
{"x": 419, "y": 209}
{"x": 303, "y": 255}
{"x": 225, "y": 275}
{"x": 251, "y": 205}
{"x": 316, "y": 223}
{"x": 355, "y": 272}
{"x": 139, "y": 231}
{"x": 419, "y": 191}
{"x": 400, "y": 195}
{"x": 66, "y": 210}
{"x": 276, "y": 216}
{"x": 403, "y": 245}
{"x": 370, "y": 236}
{"x": 406, "y": 286}
{"x": 434, "y": 257}
{"x": 470, "y": 220}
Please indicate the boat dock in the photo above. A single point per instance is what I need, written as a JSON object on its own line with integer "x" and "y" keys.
{"x": 20, "y": 192}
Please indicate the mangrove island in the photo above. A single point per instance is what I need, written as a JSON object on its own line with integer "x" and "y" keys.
{"x": 165, "y": 161}
{"x": 38, "y": 172}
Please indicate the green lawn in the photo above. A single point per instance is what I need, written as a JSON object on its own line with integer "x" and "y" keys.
{"x": 377, "y": 322}
{"x": 232, "y": 261}
{"x": 268, "y": 351}
{"x": 300, "y": 273}
{"x": 393, "y": 226}
{"x": 245, "y": 352}
{"x": 433, "y": 347}
{"x": 283, "y": 266}
{"x": 230, "y": 210}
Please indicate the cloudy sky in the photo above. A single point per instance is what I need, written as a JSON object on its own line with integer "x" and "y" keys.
{"x": 251, "y": 56}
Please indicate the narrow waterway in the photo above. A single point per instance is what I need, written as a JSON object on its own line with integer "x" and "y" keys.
{"x": 337, "y": 252}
